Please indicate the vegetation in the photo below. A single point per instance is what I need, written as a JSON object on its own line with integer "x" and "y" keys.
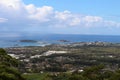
{"x": 8, "y": 67}
{"x": 87, "y": 62}
{"x": 89, "y": 73}
{"x": 37, "y": 76}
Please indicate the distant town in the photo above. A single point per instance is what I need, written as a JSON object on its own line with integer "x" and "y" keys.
{"x": 66, "y": 57}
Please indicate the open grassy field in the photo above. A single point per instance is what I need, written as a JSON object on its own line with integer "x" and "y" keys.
{"x": 35, "y": 76}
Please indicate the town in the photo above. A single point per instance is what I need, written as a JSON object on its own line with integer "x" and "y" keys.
{"x": 66, "y": 57}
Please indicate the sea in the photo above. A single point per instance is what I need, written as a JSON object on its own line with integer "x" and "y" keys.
{"x": 47, "y": 39}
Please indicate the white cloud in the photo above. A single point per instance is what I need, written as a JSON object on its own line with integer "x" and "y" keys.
{"x": 41, "y": 14}
{"x": 16, "y": 12}
{"x": 2, "y": 20}
{"x": 75, "y": 21}
{"x": 10, "y": 4}
{"x": 63, "y": 15}
{"x": 92, "y": 19}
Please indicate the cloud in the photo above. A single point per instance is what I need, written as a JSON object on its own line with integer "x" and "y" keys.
{"x": 41, "y": 14}
{"x": 17, "y": 15}
{"x": 2, "y": 20}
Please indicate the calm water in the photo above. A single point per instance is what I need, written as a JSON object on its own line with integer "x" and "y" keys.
{"x": 54, "y": 38}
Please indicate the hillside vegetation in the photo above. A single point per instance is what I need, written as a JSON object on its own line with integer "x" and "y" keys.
{"x": 8, "y": 67}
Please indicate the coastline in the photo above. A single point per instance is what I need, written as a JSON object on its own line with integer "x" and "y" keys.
{"x": 43, "y": 40}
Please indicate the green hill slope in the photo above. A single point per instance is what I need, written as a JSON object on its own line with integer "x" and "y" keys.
{"x": 8, "y": 67}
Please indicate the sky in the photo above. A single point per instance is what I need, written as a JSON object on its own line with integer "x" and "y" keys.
{"x": 96, "y": 17}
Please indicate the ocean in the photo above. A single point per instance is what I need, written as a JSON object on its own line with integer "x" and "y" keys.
{"x": 42, "y": 40}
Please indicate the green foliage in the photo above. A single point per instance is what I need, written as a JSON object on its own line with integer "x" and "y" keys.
{"x": 7, "y": 60}
{"x": 8, "y": 67}
{"x": 89, "y": 73}
{"x": 36, "y": 76}
{"x": 77, "y": 77}
{"x": 2, "y": 51}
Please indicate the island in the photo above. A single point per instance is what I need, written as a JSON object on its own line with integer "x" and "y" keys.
{"x": 28, "y": 41}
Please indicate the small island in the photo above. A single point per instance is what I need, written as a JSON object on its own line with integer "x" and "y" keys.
{"x": 27, "y": 41}
{"x": 63, "y": 40}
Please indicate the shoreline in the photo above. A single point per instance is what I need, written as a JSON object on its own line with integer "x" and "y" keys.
{"x": 67, "y": 44}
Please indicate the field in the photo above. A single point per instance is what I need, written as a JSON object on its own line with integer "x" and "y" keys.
{"x": 35, "y": 76}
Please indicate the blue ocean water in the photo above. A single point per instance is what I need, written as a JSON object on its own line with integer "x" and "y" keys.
{"x": 47, "y": 39}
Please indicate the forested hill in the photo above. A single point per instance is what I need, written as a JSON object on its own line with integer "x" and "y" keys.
{"x": 8, "y": 67}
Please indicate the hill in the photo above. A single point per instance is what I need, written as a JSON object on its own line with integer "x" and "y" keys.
{"x": 8, "y": 67}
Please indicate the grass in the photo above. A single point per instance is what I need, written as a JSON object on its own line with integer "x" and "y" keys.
{"x": 35, "y": 76}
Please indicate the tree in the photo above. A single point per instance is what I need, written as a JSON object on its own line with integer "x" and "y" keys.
{"x": 8, "y": 67}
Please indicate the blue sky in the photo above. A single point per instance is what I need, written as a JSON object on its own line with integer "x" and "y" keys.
{"x": 98, "y": 17}
{"x": 90, "y": 7}
{"x": 108, "y": 9}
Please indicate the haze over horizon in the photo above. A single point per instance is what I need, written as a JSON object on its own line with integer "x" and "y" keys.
{"x": 97, "y": 17}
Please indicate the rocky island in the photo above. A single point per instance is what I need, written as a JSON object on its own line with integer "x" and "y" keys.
{"x": 27, "y": 41}
{"x": 63, "y": 41}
